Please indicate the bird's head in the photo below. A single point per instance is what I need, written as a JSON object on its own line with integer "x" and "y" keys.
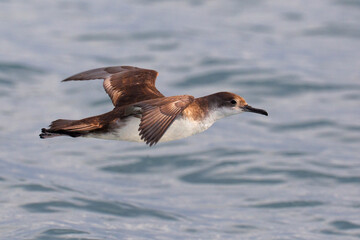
{"x": 226, "y": 104}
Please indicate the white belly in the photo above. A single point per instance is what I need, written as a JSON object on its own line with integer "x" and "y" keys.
{"x": 180, "y": 128}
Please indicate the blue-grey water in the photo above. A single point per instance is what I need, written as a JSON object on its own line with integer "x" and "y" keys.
{"x": 292, "y": 175}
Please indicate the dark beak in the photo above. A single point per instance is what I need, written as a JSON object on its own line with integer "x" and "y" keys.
{"x": 248, "y": 108}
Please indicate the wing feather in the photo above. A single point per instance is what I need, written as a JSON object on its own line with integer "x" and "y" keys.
{"x": 124, "y": 84}
{"x": 159, "y": 114}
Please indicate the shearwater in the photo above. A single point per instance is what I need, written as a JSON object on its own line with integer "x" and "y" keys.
{"x": 142, "y": 113}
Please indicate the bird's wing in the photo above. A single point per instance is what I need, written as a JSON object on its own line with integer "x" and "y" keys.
{"x": 124, "y": 84}
{"x": 159, "y": 114}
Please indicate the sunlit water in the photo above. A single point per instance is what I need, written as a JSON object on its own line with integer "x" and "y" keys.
{"x": 292, "y": 175}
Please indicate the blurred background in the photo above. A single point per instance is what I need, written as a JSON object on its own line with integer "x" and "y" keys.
{"x": 292, "y": 175}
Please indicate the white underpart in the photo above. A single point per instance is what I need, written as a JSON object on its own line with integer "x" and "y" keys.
{"x": 180, "y": 128}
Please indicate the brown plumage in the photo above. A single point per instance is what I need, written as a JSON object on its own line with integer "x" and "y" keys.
{"x": 124, "y": 84}
{"x": 132, "y": 91}
{"x": 159, "y": 114}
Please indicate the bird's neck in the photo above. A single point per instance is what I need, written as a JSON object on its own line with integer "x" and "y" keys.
{"x": 197, "y": 110}
{"x": 203, "y": 108}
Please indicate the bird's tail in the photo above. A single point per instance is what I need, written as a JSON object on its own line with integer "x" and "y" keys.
{"x": 61, "y": 127}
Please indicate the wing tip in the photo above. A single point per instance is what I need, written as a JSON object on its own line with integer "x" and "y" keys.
{"x": 67, "y": 79}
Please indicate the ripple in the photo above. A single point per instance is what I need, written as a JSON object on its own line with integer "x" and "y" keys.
{"x": 289, "y": 204}
{"x": 304, "y": 125}
{"x": 349, "y": 3}
{"x": 99, "y": 37}
{"x": 350, "y": 140}
{"x": 261, "y": 28}
{"x": 67, "y": 189}
{"x": 223, "y": 152}
{"x": 198, "y": 178}
{"x": 103, "y": 207}
{"x": 219, "y": 76}
{"x": 34, "y": 188}
{"x": 62, "y": 231}
{"x": 163, "y": 47}
{"x": 139, "y": 36}
{"x": 351, "y": 96}
{"x": 292, "y": 153}
{"x": 209, "y": 61}
{"x": 242, "y": 226}
{"x": 72, "y": 153}
{"x": 352, "y": 128}
{"x": 345, "y": 225}
{"x": 151, "y": 164}
{"x": 303, "y": 174}
{"x": 334, "y": 30}
{"x": 293, "y": 16}
{"x": 6, "y": 82}
{"x": 330, "y": 232}
{"x": 153, "y": 35}
{"x": 61, "y": 234}
{"x": 108, "y": 60}
{"x": 288, "y": 85}
{"x": 17, "y": 67}
{"x": 207, "y": 176}
{"x": 343, "y": 228}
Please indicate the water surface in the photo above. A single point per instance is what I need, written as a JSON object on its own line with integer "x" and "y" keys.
{"x": 292, "y": 175}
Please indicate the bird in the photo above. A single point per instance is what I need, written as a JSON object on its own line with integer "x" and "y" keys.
{"x": 142, "y": 113}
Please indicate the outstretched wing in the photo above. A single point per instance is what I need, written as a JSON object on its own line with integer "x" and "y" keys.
{"x": 159, "y": 114}
{"x": 124, "y": 84}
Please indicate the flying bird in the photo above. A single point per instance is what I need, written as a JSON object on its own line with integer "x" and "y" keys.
{"x": 142, "y": 114}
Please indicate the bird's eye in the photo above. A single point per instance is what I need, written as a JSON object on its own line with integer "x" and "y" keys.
{"x": 233, "y": 101}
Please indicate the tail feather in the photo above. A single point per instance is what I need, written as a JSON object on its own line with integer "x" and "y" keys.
{"x": 62, "y": 127}
{"x": 45, "y": 134}
{"x": 61, "y": 124}
{"x": 77, "y": 128}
